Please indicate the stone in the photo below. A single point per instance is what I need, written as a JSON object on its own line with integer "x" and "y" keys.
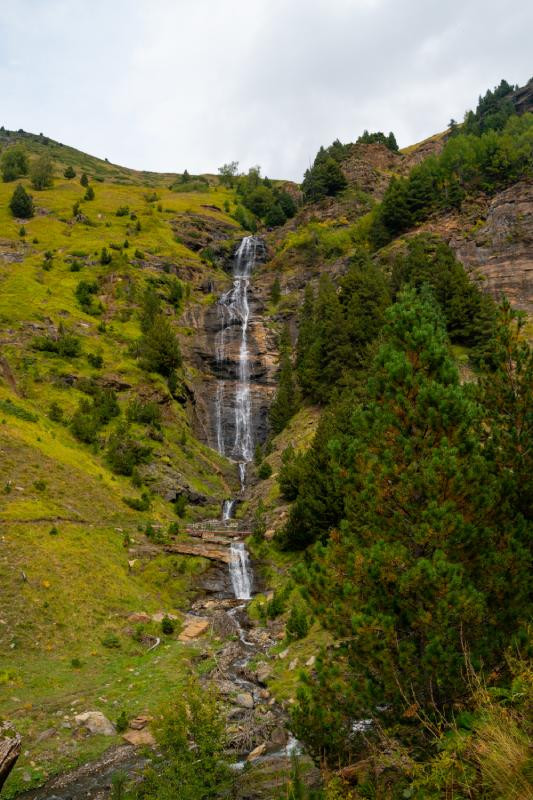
{"x": 262, "y": 673}
{"x": 257, "y": 752}
{"x": 139, "y": 616}
{"x": 193, "y": 628}
{"x": 139, "y": 722}
{"x": 293, "y": 664}
{"x": 47, "y": 734}
{"x": 310, "y": 661}
{"x": 284, "y": 653}
{"x": 139, "y": 738}
{"x": 244, "y": 700}
{"x": 96, "y": 723}
{"x": 161, "y": 615}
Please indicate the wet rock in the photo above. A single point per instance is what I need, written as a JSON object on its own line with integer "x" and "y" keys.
{"x": 257, "y": 752}
{"x": 263, "y": 672}
{"x": 224, "y": 625}
{"x": 96, "y": 723}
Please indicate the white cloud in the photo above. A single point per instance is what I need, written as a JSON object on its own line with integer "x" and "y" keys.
{"x": 174, "y": 84}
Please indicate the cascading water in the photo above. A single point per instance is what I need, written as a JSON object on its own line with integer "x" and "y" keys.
{"x": 234, "y": 310}
{"x": 239, "y": 570}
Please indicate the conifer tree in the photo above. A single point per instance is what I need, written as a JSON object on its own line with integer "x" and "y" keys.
{"x": 421, "y": 570}
{"x": 21, "y": 203}
{"x": 285, "y": 402}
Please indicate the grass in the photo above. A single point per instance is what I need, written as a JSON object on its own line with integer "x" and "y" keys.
{"x": 68, "y": 580}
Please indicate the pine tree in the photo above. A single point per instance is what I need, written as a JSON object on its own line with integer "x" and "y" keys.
{"x": 306, "y": 335}
{"x": 285, "y": 402}
{"x": 159, "y": 348}
{"x": 21, "y": 203}
{"x": 84, "y": 180}
{"x": 14, "y": 163}
{"x": 421, "y": 570}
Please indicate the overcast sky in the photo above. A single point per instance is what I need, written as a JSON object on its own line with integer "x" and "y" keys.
{"x": 174, "y": 84}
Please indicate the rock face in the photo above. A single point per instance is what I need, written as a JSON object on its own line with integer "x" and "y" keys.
{"x": 501, "y": 250}
{"x": 212, "y": 325}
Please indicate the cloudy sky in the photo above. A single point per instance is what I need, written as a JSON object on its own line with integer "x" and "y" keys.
{"x": 174, "y": 84}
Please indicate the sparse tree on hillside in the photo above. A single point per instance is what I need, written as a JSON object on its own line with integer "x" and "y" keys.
{"x": 84, "y": 180}
{"x": 227, "y": 173}
{"x": 21, "y": 203}
{"x": 70, "y": 172}
{"x": 42, "y": 173}
{"x": 14, "y": 163}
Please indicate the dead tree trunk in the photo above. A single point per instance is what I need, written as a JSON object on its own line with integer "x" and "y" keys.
{"x": 9, "y": 752}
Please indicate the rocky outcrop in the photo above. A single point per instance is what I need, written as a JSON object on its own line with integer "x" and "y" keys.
{"x": 500, "y": 251}
{"x": 201, "y": 550}
{"x": 202, "y": 352}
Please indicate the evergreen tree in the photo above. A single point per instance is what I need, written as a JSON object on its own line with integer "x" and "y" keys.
{"x": 306, "y": 334}
{"x": 151, "y": 308}
{"x": 285, "y": 402}
{"x": 84, "y": 180}
{"x": 275, "y": 291}
{"x": 159, "y": 348}
{"x": 21, "y": 203}
{"x": 70, "y": 172}
{"x": 420, "y": 572}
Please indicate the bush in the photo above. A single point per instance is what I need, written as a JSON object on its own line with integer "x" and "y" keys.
{"x": 180, "y": 505}
{"x": 85, "y": 295}
{"x": 124, "y": 452}
{"x": 105, "y": 256}
{"x": 111, "y": 641}
{"x": 122, "y": 211}
{"x": 84, "y": 180}
{"x": 122, "y": 722}
{"x": 95, "y": 360}
{"x": 141, "y": 503}
{"x": 159, "y": 348}
{"x": 89, "y": 194}
{"x": 70, "y": 172}
{"x": 145, "y": 412}
{"x": 66, "y": 345}
{"x": 21, "y": 203}
{"x": 56, "y": 412}
{"x": 297, "y": 625}
{"x": 167, "y": 626}
{"x": 42, "y": 173}
{"x": 264, "y": 471}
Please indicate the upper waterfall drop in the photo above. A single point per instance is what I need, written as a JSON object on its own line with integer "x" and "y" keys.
{"x": 237, "y": 440}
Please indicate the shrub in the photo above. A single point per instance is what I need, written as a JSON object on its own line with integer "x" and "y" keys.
{"x": 89, "y": 194}
{"x": 124, "y": 452}
{"x": 8, "y": 407}
{"x": 95, "y": 360}
{"x": 75, "y": 663}
{"x": 145, "y": 412}
{"x": 159, "y": 348}
{"x": 122, "y": 722}
{"x": 84, "y": 180}
{"x": 138, "y": 254}
{"x": 167, "y": 626}
{"x": 53, "y": 531}
{"x": 105, "y": 256}
{"x": 56, "y": 412}
{"x": 66, "y": 345}
{"x": 39, "y": 485}
{"x": 122, "y": 211}
{"x": 85, "y": 295}
{"x": 264, "y": 471}
{"x": 180, "y": 505}
{"x": 22, "y": 231}
{"x": 42, "y": 173}
{"x": 297, "y": 624}
{"x": 21, "y": 203}
{"x": 141, "y": 503}
{"x": 111, "y": 640}
{"x": 70, "y": 172}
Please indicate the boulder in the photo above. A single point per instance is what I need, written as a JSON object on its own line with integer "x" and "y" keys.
{"x": 96, "y": 723}
{"x": 257, "y": 752}
{"x": 244, "y": 700}
{"x": 193, "y": 628}
{"x": 139, "y": 738}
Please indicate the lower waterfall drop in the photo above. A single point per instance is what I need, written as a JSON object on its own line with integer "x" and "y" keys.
{"x": 239, "y": 571}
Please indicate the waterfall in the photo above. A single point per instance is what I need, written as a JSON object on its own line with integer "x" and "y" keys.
{"x": 234, "y": 313}
{"x": 227, "y": 509}
{"x": 239, "y": 571}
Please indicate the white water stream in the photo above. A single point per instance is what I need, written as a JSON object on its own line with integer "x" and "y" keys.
{"x": 234, "y": 310}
